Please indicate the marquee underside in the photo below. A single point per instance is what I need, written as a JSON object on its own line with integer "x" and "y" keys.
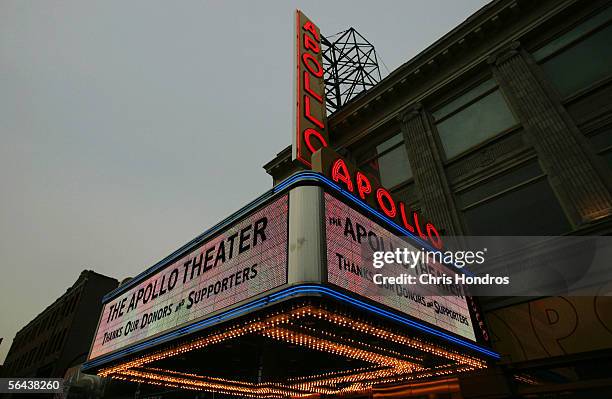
{"x": 298, "y": 348}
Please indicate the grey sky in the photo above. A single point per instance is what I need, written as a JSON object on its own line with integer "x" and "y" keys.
{"x": 127, "y": 128}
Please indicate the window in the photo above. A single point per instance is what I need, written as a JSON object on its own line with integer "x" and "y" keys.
{"x": 472, "y": 118}
{"x": 389, "y": 162}
{"x": 581, "y": 57}
{"x": 519, "y": 202}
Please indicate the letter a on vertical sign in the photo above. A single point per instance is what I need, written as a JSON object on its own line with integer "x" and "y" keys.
{"x": 310, "y": 115}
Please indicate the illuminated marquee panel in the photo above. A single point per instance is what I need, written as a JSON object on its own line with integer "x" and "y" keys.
{"x": 347, "y": 234}
{"x": 246, "y": 259}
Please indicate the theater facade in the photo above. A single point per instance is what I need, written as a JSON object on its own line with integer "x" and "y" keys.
{"x": 501, "y": 127}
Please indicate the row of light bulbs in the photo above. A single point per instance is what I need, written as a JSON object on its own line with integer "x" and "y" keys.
{"x": 388, "y": 365}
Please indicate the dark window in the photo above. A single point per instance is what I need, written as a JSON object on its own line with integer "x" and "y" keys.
{"x": 474, "y": 117}
{"x": 580, "y": 57}
{"x": 499, "y": 183}
{"x": 519, "y": 202}
{"x": 389, "y": 162}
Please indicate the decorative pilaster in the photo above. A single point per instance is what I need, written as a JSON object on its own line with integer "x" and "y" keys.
{"x": 584, "y": 191}
{"x": 428, "y": 172}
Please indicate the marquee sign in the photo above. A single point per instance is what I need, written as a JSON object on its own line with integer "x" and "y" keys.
{"x": 311, "y": 120}
{"x": 243, "y": 265}
{"x": 349, "y": 234}
{"x": 246, "y": 259}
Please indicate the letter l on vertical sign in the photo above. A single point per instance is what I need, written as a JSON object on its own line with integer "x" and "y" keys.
{"x": 310, "y": 131}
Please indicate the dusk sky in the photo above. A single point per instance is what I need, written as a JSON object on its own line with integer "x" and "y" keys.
{"x": 129, "y": 127}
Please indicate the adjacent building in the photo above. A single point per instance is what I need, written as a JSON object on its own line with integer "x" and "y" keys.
{"x": 60, "y": 336}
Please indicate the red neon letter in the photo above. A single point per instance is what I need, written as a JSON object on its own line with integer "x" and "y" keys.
{"x": 415, "y": 217}
{"x": 318, "y": 71}
{"x": 340, "y": 173}
{"x": 431, "y": 231}
{"x": 310, "y": 44}
{"x": 308, "y": 133}
{"x": 363, "y": 185}
{"x": 309, "y": 26}
{"x": 309, "y": 90}
{"x": 390, "y": 211}
{"x": 404, "y": 219}
{"x": 309, "y": 115}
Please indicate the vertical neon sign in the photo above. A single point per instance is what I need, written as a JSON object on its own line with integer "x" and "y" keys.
{"x": 310, "y": 115}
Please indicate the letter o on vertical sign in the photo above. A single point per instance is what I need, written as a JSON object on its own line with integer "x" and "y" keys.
{"x": 310, "y": 133}
{"x": 312, "y": 64}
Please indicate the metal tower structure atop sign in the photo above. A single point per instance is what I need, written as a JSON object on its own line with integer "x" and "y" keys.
{"x": 351, "y": 67}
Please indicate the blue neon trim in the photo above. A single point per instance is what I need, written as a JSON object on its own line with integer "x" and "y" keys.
{"x": 286, "y": 293}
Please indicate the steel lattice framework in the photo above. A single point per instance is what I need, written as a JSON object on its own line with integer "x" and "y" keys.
{"x": 351, "y": 67}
